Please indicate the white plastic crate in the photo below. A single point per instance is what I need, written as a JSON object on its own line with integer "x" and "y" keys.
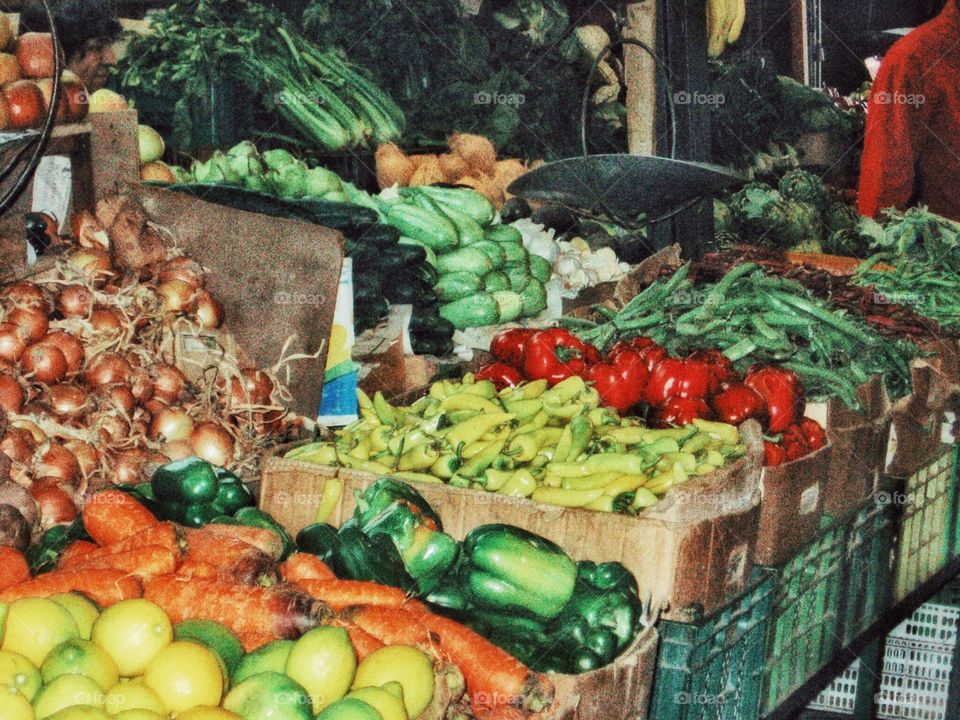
{"x": 916, "y": 670}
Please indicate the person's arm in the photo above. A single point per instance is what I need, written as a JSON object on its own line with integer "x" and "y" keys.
{"x": 895, "y": 129}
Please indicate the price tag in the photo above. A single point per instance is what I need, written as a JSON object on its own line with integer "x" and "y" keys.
{"x": 53, "y": 188}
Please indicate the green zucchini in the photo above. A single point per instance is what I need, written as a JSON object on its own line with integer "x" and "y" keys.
{"x": 519, "y": 276}
{"x": 464, "y": 200}
{"x": 515, "y": 253}
{"x": 509, "y": 305}
{"x": 410, "y": 242}
{"x": 457, "y": 285}
{"x": 534, "y": 297}
{"x": 493, "y": 251}
{"x": 468, "y": 258}
{"x": 540, "y": 268}
{"x": 477, "y": 310}
{"x": 431, "y": 229}
{"x": 504, "y": 234}
{"x": 496, "y": 281}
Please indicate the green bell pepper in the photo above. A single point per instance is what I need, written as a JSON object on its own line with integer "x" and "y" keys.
{"x": 253, "y": 517}
{"x": 509, "y": 569}
{"x": 398, "y": 512}
{"x": 232, "y": 494}
{"x": 44, "y": 555}
{"x": 190, "y": 481}
{"x": 374, "y": 559}
{"x": 193, "y": 492}
{"x": 319, "y": 539}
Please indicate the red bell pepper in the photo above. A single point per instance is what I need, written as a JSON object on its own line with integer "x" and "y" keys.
{"x": 773, "y": 454}
{"x": 679, "y": 411}
{"x": 637, "y": 343}
{"x": 555, "y": 355}
{"x": 794, "y": 444}
{"x": 686, "y": 378}
{"x": 813, "y": 433}
{"x": 508, "y": 345}
{"x": 721, "y": 367}
{"x": 782, "y": 393}
{"x": 736, "y": 404}
{"x": 621, "y": 380}
{"x": 500, "y": 374}
{"x": 653, "y": 355}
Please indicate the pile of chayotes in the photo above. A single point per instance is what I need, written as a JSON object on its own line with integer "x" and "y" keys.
{"x": 146, "y": 618}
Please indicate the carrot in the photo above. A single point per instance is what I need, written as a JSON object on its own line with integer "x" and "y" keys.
{"x": 264, "y": 540}
{"x": 197, "y": 569}
{"x": 162, "y": 534}
{"x": 105, "y": 587}
{"x": 147, "y": 562}
{"x": 251, "y": 612}
{"x": 304, "y": 566}
{"x": 13, "y": 567}
{"x": 363, "y": 642}
{"x": 493, "y": 676}
{"x": 340, "y": 594}
{"x": 74, "y": 550}
{"x": 234, "y": 559}
{"x": 112, "y": 515}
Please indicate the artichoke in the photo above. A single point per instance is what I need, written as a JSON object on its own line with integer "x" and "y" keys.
{"x": 748, "y": 206}
{"x": 723, "y": 220}
{"x": 726, "y": 239}
{"x": 841, "y": 216}
{"x": 847, "y": 242}
{"x": 804, "y": 186}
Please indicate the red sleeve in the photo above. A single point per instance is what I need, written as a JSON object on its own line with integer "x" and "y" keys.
{"x": 895, "y": 129}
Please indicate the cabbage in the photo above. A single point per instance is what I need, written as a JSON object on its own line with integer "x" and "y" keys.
{"x": 289, "y": 181}
{"x": 321, "y": 181}
{"x": 207, "y": 172}
{"x": 279, "y": 159}
{"x": 230, "y": 173}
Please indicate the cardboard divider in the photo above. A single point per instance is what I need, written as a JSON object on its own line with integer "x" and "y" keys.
{"x": 690, "y": 553}
{"x": 793, "y": 499}
{"x": 918, "y": 419}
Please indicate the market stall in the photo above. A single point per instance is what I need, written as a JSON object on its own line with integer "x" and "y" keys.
{"x": 350, "y": 389}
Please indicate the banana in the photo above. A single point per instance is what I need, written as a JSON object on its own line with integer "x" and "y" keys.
{"x": 716, "y": 19}
{"x": 737, "y": 26}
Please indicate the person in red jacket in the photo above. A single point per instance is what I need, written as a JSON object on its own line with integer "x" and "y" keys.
{"x": 912, "y": 148}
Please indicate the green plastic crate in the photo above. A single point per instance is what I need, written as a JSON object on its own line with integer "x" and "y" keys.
{"x": 711, "y": 669}
{"x": 869, "y": 565}
{"x": 928, "y": 524}
{"x": 804, "y": 632}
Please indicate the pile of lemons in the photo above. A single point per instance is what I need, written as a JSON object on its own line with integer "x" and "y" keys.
{"x": 62, "y": 658}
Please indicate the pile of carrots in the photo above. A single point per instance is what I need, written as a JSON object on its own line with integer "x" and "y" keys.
{"x": 232, "y": 575}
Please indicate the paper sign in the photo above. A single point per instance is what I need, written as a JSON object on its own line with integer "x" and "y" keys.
{"x": 53, "y": 188}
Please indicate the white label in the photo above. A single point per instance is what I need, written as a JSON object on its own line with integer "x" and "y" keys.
{"x": 52, "y": 188}
{"x": 809, "y": 499}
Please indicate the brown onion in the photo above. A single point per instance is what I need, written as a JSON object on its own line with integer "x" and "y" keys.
{"x": 170, "y": 384}
{"x": 183, "y": 269}
{"x": 56, "y": 505}
{"x": 127, "y": 466}
{"x": 154, "y": 406}
{"x": 88, "y": 457}
{"x": 11, "y": 395}
{"x": 67, "y": 400}
{"x": 253, "y": 387}
{"x": 12, "y": 343}
{"x": 70, "y": 346}
{"x": 33, "y": 324}
{"x": 55, "y": 461}
{"x": 112, "y": 429}
{"x": 171, "y": 424}
{"x": 18, "y": 445}
{"x": 177, "y": 296}
{"x": 107, "y": 321}
{"x": 38, "y": 435}
{"x": 178, "y": 450}
{"x": 94, "y": 264}
{"x": 119, "y": 396}
{"x": 141, "y": 384}
{"x": 75, "y": 301}
{"x": 44, "y": 363}
{"x": 107, "y": 369}
{"x": 209, "y": 312}
{"x": 25, "y": 295}
{"x": 212, "y": 443}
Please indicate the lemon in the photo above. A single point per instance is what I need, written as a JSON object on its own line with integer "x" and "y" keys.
{"x": 269, "y": 696}
{"x": 133, "y": 695}
{"x": 139, "y": 714}
{"x": 84, "y": 610}
{"x": 272, "y": 657}
{"x": 133, "y": 632}
{"x": 80, "y": 657}
{"x": 185, "y": 675}
{"x": 388, "y": 705}
{"x": 80, "y": 712}
{"x": 350, "y": 709}
{"x": 14, "y": 705}
{"x": 37, "y": 625}
{"x": 67, "y": 691}
{"x": 219, "y": 638}
{"x": 206, "y": 713}
{"x": 410, "y": 667}
{"x": 19, "y": 673}
{"x": 323, "y": 661}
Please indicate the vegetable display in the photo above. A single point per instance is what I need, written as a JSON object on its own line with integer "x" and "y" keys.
{"x": 555, "y": 445}
{"x": 754, "y": 317}
{"x": 518, "y": 589}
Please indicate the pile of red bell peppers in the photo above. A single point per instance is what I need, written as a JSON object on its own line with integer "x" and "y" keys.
{"x": 640, "y": 376}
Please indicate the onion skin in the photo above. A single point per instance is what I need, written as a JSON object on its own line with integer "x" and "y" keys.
{"x": 33, "y": 324}
{"x": 107, "y": 369}
{"x": 208, "y": 311}
{"x": 67, "y": 401}
{"x": 107, "y": 321}
{"x": 141, "y": 384}
{"x": 55, "y": 504}
{"x": 119, "y": 396}
{"x": 11, "y": 395}
{"x": 75, "y": 301}
{"x": 178, "y": 450}
{"x": 253, "y": 387}
{"x": 212, "y": 443}
{"x": 183, "y": 269}
{"x": 55, "y": 461}
{"x": 44, "y": 363}
{"x": 94, "y": 265}
{"x": 25, "y": 295}
{"x": 18, "y": 445}
{"x": 170, "y": 384}
{"x": 88, "y": 457}
{"x": 171, "y": 425}
{"x": 70, "y": 346}
{"x": 12, "y": 343}
{"x": 177, "y": 296}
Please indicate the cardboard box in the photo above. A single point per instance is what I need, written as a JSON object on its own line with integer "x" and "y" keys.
{"x": 690, "y": 553}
